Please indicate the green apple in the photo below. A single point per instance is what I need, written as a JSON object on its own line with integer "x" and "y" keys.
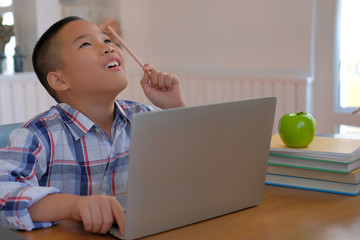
{"x": 297, "y": 129}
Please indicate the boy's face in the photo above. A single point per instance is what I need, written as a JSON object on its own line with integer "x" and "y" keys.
{"x": 93, "y": 65}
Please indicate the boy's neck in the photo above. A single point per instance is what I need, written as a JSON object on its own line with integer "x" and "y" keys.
{"x": 101, "y": 113}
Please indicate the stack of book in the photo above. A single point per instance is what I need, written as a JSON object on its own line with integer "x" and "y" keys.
{"x": 329, "y": 164}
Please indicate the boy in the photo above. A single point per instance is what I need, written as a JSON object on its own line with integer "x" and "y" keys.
{"x": 67, "y": 163}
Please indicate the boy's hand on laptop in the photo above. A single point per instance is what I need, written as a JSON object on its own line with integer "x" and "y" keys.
{"x": 98, "y": 213}
{"x": 162, "y": 89}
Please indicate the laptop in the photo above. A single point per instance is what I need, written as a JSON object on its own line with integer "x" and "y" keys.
{"x": 191, "y": 164}
{"x": 9, "y": 234}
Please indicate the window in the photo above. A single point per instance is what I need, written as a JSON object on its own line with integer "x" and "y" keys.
{"x": 7, "y": 36}
{"x": 5, "y": 3}
{"x": 349, "y": 54}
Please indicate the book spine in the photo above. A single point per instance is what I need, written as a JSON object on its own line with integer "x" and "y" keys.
{"x": 312, "y": 189}
{"x": 312, "y": 184}
{"x": 307, "y": 164}
{"x": 352, "y": 177}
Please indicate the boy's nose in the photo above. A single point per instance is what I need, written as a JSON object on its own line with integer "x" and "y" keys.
{"x": 109, "y": 49}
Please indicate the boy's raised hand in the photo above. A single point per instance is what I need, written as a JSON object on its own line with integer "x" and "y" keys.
{"x": 162, "y": 89}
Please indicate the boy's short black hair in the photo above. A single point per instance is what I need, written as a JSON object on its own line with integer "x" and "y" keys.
{"x": 46, "y": 55}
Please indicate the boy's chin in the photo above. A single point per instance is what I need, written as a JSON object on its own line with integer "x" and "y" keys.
{"x": 123, "y": 85}
{"x": 120, "y": 87}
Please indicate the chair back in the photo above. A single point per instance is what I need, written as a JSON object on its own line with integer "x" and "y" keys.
{"x": 5, "y": 131}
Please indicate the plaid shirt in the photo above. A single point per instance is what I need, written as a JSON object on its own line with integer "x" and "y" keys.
{"x": 61, "y": 150}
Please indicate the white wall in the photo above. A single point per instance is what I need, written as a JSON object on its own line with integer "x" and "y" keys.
{"x": 47, "y": 13}
{"x": 274, "y": 38}
{"x": 246, "y": 37}
{"x": 32, "y": 18}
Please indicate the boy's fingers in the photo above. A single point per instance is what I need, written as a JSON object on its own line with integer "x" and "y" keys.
{"x": 107, "y": 218}
{"x": 98, "y": 213}
{"x": 158, "y": 80}
{"x": 167, "y": 82}
{"x": 161, "y": 79}
{"x": 97, "y": 220}
{"x": 119, "y": 217}
{"x": 145, "y": 79}
{"x": 147, "y": 67}
{"x": 171, "y": 80}
{"x": 154, "y": 78}
{"x": 86, "y": 218}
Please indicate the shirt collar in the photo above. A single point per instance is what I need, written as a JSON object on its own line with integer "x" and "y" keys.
{"x": 79, "y": 124}
{"x": 120, "y": 115}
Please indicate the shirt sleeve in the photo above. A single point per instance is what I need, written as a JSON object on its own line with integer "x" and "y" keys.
{"x": 22, "y": 164}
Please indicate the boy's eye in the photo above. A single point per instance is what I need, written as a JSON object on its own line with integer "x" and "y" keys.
{"x": 107, "y": 41}
{"x": 85, "y": 44}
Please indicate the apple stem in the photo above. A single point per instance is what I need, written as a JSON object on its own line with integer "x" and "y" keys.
{"x": 300, "y": 113}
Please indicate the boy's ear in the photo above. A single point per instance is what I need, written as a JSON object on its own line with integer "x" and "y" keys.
{"x": 57, "y": 82}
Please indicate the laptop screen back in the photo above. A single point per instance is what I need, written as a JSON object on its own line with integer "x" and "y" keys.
{"x": 191, "y": 164}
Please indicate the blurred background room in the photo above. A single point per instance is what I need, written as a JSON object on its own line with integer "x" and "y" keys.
{"x": 302, "y": 52}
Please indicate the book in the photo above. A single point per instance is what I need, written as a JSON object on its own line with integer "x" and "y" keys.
{"x": 352, "y": 177}
{"x": 326, "y": 148}
{"x": 314, "y": 164}
{"x": 324, "y": 153}
{"x": 312, "y": 184}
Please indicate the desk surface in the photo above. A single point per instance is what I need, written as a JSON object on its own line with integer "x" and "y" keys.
{"x": 284, "y": 213}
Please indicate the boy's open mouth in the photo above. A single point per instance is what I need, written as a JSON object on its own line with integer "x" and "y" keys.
{"x": 112, "y": 64}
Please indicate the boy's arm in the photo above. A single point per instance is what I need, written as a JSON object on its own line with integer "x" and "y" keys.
{"x": 20, "y": 168}
{"x": 26, "y": 205}
{"x": 162, "y": 89}
{"x": 97, "y": 212}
